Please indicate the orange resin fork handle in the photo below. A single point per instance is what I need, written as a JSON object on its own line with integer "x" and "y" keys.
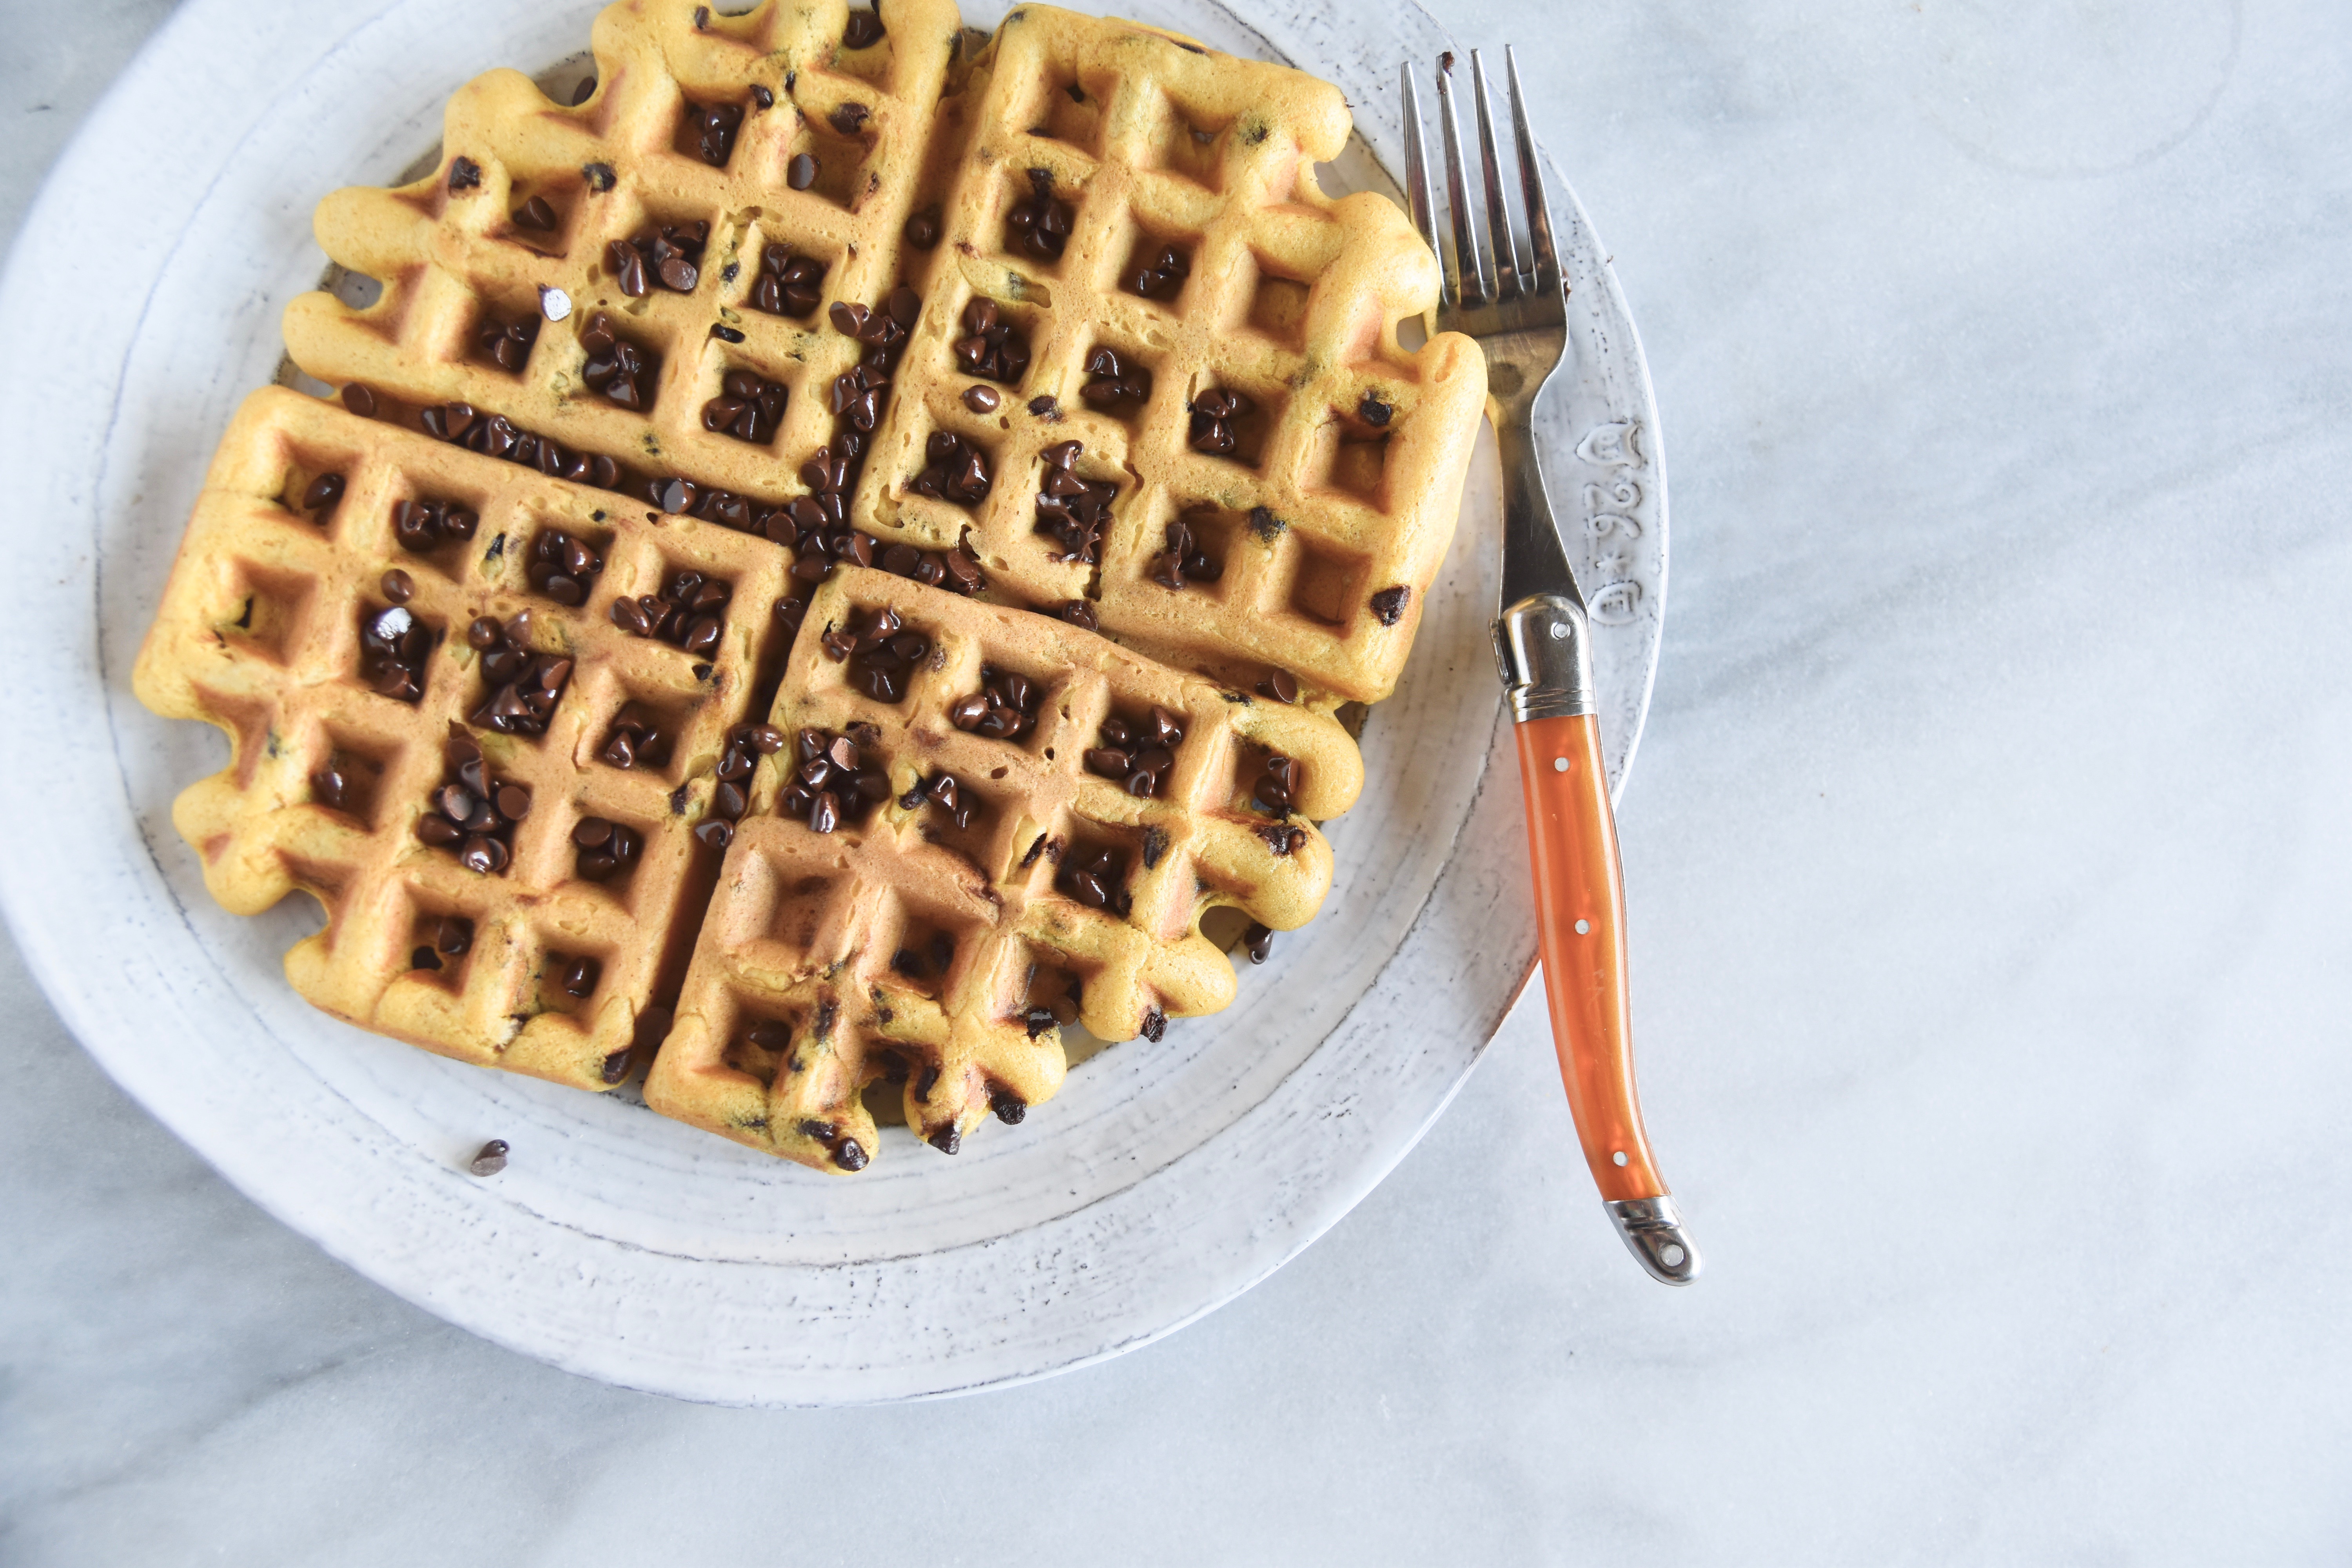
{"x": 1580, "y": 933}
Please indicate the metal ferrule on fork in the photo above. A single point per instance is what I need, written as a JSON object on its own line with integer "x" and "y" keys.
{"x": 1544, "y": 646}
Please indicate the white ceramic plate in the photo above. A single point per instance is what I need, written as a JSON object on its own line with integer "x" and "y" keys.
{"x": 1162, "y": 1181}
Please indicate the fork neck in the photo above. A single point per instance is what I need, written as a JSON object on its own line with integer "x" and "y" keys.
{"x": 1534, "y": 561}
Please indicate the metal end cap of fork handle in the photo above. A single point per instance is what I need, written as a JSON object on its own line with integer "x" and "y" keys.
{"x": 1652, "y": 1229}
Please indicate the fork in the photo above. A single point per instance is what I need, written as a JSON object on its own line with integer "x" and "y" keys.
{"x": 1518, "y": 313}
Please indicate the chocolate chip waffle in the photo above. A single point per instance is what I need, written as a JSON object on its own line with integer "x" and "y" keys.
{"x": 793, "y": 321}
{"x": 1218, "y": 336}
{"x": 714, "y": 156}
{"x": 953, "y": 856}
{"x": 422, "y": 724}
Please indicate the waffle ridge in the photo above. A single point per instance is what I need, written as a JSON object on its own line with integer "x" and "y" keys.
{"x": 1326, "y": 530}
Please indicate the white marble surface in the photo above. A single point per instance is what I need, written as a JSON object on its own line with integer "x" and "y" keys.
{"x": 1987, "y": 866}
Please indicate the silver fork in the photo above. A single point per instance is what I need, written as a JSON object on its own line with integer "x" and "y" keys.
{"x": 1517, "y": 311}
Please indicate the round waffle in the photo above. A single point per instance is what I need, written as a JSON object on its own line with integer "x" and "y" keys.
{"x": 794, "y": 320}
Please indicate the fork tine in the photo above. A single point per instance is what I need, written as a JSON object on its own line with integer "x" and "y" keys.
{"x": 1416, "y": 176}
{"x": 1500, "y": 243}
{"x": 1477, "y": 281}
{"x": 1531, "y": 188}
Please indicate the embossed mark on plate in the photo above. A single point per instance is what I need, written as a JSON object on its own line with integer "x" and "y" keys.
{"x": 1610, "y": 528}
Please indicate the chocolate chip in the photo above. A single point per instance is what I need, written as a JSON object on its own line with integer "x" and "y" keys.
{"x": 599, "y": 176}
{"x": 788, "y": 284}
{"x": 359, "y": 399}
{"x": 1163, "y": 273}
{"x": 864, "y": 31}
{"x": 489, "y": 1159}
{"x": 583, "y": 93}
{"x": 992, "y": 345}
{"x": 715, "y": 835}
{"x": 923, "y": 230}
{"x": 801, "y": 172}
{"x": 1283, "y": 840}
{"x": 393, "y": 648}
{"x": 1155, "y": 1024}
{"x": 946, "y": 1140}
{"x": 562, "y": 566}
{"x": 1388, "y": 604}
{"x": 1282, "y": 685}
{"x": 750, "y": 407}
{"x": 464, "y": 175}
{"x": 851, "y": 1154}
{"x": 714, "y": 126}
{"x": 1073, "y": 510}
{"x": 847, "y": 118}
{"x": 580, "y": 977}
{"x": 322, "y": 493}
{"x": 1213, "y": 414}
{"x": 615, "y": 367}
{"x": 536, "y": 213}
{"x": 1276, "y": 789}
{"x": 1259, "y": 941}
{"x": 954, "y": 470}
{"x": 1183, "y": 561}
{"x": 616, "y": 1066}
{"x": 1080, "y": 613}
{"x": 1044, "y": 408}
{"x": 1116, "y": 383}
{"x": 523, "y": 687}
{"x": 1003, "y": 708}
{"x": 1039, "y": 226}
{"x": 1372, "y": 411}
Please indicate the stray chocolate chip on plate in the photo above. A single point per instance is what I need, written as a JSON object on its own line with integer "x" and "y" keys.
{"x": 489, "y": 1159}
